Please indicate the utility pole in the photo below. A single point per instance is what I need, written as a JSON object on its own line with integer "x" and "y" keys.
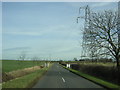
{"x": 86, "y": 17}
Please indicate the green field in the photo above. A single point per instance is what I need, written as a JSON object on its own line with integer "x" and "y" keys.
{"x": 12, "y": 65}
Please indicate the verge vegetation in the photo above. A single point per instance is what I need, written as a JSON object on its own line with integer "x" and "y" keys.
{"x": 99, "y": 81}
{"x": 26, "y": 81}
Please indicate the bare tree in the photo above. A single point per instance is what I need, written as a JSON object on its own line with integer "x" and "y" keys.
{"x": 22, "y": 56}
{"x": 101, "y": 35}
{"x": 103, "y": 30}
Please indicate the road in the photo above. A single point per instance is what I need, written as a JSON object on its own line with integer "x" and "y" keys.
{"x": 58, "y": 77}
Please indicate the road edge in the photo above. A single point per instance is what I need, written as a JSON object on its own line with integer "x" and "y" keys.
{"x": 38, "y": 78}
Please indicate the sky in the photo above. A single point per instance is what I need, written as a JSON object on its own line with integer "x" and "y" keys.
{"x": 46, "y": 30}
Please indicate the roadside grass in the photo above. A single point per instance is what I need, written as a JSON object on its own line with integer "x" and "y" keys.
{"x": 104, "y": 70}
{"x": 101, "y": 82}
{"x": 109, "y": 64}
{"x": 26, "y": 81}
{"x": 12, "y": 65}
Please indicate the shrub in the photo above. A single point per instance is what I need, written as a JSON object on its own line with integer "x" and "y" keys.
{"x": 103, "y": 72}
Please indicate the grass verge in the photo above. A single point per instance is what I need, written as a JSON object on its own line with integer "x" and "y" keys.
{"x": 26, "y": 81}
{"x": 101, "y": 82}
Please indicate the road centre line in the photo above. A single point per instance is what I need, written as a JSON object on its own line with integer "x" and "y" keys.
{"x": 63, "y": 79}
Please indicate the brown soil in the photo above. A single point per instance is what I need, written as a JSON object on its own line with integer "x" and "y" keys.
{"x": 6, "y": 77}
{"x": 19, "y": 73}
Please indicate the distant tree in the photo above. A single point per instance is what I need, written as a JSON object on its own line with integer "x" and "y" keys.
{"x": 75, "y": 59}
{"x": 22, "y": 56}
{"x": 60, "y": 61}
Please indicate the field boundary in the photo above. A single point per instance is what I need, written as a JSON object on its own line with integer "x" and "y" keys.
{"x": 105, "y": 84}
{"x": 26, "y": 79}
{"x": 19, "y": 73}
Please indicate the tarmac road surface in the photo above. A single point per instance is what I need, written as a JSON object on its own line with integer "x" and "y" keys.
{"x": 58, "y": 77}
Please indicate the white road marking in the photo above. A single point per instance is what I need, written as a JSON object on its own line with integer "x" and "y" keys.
{"x": 63, "y": 79}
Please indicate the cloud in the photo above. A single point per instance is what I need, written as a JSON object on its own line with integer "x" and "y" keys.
{"x": 95, "y": 4}
{"x": 56, "y": 32}
{"x": 28, "y": 33}
{"x": 100, "y": 4}
{"x": 17, "y": 48}
{"x": 31, "y": 31}
{"x": 59, "y": 0}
